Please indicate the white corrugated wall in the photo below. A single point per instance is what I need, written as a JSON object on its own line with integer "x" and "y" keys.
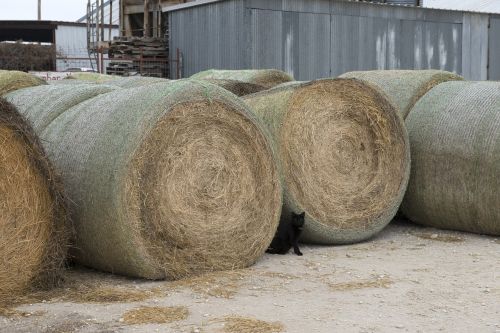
{"x": 484, "y": 6}
{"x": 71, "y": 44}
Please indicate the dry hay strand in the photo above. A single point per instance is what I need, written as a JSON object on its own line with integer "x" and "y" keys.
{"x": 266, "y": 78}
{"x": 236, "y": 324}
{"x": 135, "y": 81}
{"x": 14, "y": 80}
{"x": 217, "y": 284}
{"x": 404, "y": 87}
{"x": 42, "y": 104}
{"x": 239, "y": 88}
{"x": 174, "y": 179}
{"x": 90, "y": 77}
{"x": 439, "y": 237}
{"x": 343, "y": 154}
{"x": 33, "y": 212}
{"x": 378, "y": 282}
{"x": 155, "y": 315}
{"x": 455, "y": 158}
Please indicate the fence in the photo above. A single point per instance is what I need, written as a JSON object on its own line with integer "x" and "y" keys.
{"x": 78, "y": 59}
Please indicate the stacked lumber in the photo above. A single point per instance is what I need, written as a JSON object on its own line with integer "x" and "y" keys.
{"x": 147, "y": 56}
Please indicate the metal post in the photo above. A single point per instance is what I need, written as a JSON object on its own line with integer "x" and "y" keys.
{"x": 102, "y": 20}
{"x": 97, "y": 8}
{"x": 178, "y": 55}
{"x": 110, "y": 18}
{"x": 146, "y": 18}
{"x": 39, "y": 10}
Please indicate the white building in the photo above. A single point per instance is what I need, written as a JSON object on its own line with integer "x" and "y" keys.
{"x": 481, "y": 6}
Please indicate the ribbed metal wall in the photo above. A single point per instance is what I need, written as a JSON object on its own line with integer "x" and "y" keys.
{"x": 322, "y": 38}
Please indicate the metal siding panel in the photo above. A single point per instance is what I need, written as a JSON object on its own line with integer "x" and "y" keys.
{"x": 494, "y": 49}
{"x": 208, "y": 36}
{"x": 266, "y": 39}
{"x": 314, "y": 46}
{"x": 475, "y": 46}
{"x": 265, "y": 4}
{"x": 307, "y": 6}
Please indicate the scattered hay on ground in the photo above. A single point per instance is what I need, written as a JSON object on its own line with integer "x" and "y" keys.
{"x": 218, "y": 284}
{"x": 440, "y": 237}
{"x": 106, "y": 295}
{"x": 236, "y": 324}
{"x": 377, "y": 282}
{"x": 155, "y": 315}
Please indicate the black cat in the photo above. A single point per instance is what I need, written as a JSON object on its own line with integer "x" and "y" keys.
{"x": 287, "y": 235}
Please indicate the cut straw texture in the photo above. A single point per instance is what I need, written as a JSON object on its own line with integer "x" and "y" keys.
{"x": 167, "y": 180}
{"x": 239, "y": 88}
{"x": 455, "y": 141}
{"x": 343, "y": 153}
{"x": 404, "y": 87}
{"x": 267, "y": 78}
{"x": 33, "y": 214}
{"x": 90, "y": 77}
{"x": 13, "y": 80}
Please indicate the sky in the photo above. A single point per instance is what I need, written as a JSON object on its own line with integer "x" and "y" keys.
{"x": 57, "y": 10}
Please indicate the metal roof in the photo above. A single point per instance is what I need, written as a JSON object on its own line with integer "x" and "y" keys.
{"x": 453, "y": 5}
{"x": 480, "y": 6}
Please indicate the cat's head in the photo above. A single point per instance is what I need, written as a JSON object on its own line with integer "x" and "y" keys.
{"x": 298, "y": 219}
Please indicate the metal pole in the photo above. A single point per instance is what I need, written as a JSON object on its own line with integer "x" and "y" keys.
{"x": 102, "y": 20}
{"x": 97, "y": 22}
{"x": 39, "y": 10}
{"x": 110, "y": 18}
{"x": 146, "y": 18}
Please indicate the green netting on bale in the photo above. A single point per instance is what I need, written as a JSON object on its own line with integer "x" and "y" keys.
{"x": 455, "y": 147}
{"x": 404, "y": 87}
{"x": 13, "y": 80}
{"x": 42, "y": 104}
{"x": 343, "y": 154}
{"x": 266, "y": 78}
{"x": 167, "y": 180}
{"x": 34, "y": 229}
{"x": 135, "y": 81}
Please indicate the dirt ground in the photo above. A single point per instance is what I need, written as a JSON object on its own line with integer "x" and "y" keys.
{"x": 407, "y": 279}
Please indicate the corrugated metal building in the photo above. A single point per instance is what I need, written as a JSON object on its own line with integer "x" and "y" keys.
{"x": 69, "y": 38}
{"x": 323, "y": 38}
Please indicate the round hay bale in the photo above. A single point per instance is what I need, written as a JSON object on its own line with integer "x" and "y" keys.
{"x": 455, "y": 149}
{"x": 404, "y": 87}
{"x": 42, "y": 104}
{"x": 91, "y": 77}
{"x": 266, "y": 78}
{"x": 135, "y": 81}
{"x": 239, "y": 88}
{"x": 167, "y": 180}
{"x": 33, "y": 214}
{"x": 343, "y": 153}
{"x": 13, "y": 80}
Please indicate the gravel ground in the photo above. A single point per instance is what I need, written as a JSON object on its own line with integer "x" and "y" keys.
{"x": 407, "y": 279}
